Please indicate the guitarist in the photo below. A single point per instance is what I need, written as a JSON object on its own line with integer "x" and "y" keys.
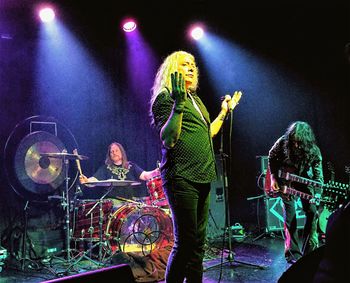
{"x": 296, "y": 152}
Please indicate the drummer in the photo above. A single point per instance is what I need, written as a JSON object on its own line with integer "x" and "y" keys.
{"x": 117, "y": 167}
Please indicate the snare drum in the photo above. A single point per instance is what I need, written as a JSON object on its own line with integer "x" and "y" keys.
{"x": 155, "y": 189}
{"x": 139, "y": 229}
{"x": 85, "y": 220}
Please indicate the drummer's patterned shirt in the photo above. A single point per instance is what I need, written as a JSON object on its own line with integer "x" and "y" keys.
{"x": 117, "y": 172}
{"x": 192, "y": 157}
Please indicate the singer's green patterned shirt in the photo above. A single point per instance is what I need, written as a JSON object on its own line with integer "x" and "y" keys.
{"x": 192, "y": 157}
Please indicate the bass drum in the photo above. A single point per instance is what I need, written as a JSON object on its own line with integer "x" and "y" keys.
{"x": 139, "y": 229}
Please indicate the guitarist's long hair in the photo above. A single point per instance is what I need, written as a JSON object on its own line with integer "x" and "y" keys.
{"x": 302, "y": 132}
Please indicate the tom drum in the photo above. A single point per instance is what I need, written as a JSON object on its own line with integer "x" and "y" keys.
{"x": 155, "y": 189}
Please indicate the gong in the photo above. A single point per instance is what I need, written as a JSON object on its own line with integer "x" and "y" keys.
{"x": 38, "y": 174}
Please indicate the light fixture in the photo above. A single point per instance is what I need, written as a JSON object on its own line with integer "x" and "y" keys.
{"x": 129, "y": 25}
{"x": 197, "y": 33}
{"x": 46, "y": 14}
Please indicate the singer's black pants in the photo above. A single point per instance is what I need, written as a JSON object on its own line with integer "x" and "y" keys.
{"x": 189, "y": 204}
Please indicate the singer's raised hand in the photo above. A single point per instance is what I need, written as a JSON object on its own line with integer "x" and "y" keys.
{"x": 178, "y": 90}
{"x": 235, "y": 100}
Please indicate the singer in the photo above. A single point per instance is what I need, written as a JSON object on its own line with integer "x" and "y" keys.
{"x": 188, "y": 162}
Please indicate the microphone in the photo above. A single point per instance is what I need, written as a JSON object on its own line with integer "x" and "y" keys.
{"x": 229, "y": 104}
{"x": 233, "y": 101}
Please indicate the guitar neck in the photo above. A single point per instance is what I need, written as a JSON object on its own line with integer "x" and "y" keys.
{"x": 298, "y": 179}
{"x": 330, "y": 204}
{"x": 334, "y": 193}
{"x": 300, "y": 194}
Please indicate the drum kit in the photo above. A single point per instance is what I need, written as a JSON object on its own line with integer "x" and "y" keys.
{"x": 96, "y": 229}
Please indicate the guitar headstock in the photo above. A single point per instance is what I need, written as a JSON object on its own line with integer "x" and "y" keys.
{"x": 330, "y": 167}
{"x": 335, "y": 193}
{"x": 332, "y": 185}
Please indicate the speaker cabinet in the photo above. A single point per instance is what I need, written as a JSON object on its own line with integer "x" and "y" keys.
{"x": 118, "y": 273}
{"x": 216, "y": 222}
{"x": 274, "y": 214}
{"x": 44, "y": 243}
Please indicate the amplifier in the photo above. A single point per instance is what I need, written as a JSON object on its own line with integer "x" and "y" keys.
{"x": 3, "y": 256}
{"x": 45, "y": 243}
{"x": 274, "y": 214}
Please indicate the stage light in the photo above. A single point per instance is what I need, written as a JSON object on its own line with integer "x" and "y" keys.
{"x": 197, "y": 33}
{"x": 46, "y": 15}
{"x": 129, "y": 25}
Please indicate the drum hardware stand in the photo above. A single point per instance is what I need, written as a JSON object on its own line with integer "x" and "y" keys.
{"x": 24, "y": 242}
{"x": 66, "y": 205}
{"x": 227, "y": 230}
{"x": 83, "y": 255}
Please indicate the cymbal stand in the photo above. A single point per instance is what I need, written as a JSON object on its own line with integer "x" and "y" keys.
{"x": 65, "y": 204}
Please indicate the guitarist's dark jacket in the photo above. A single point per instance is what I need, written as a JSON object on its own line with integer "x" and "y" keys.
{"x": 282, "y": 158}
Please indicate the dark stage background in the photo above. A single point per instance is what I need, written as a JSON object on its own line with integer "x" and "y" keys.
{"x": 307, "y": 79}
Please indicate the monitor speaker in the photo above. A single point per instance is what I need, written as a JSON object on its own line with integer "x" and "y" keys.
{"x": 216, "y": 222}
{"x": 121, "y": 273}
{"x": 306, "y": 267}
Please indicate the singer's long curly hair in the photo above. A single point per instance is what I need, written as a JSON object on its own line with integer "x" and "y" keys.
{"x": 108, "y": 161}
{"x": 163, "y": 76}
{"x": 302, "y": 132}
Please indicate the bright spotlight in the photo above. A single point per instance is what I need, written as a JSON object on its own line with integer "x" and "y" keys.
{"x": 197, "y": 33}
{"x": 46, "y": 15}
{"x": 129, "y": 25}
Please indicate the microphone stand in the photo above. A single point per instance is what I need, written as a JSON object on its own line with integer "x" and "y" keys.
{"x": 228, "y": 229}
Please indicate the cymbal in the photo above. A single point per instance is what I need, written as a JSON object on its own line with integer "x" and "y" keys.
{"x": 112, "y": 183}
{"x": 64, "y": 155}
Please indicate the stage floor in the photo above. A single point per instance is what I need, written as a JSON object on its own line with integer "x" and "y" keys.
{"x": 253, "y": 260}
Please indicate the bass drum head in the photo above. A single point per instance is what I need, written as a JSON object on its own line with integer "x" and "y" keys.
{"x": 139, "y": 229}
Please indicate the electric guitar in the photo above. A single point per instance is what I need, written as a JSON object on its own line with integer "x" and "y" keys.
{"x": 333, "y": 195}
{"x": 324, "y": 212}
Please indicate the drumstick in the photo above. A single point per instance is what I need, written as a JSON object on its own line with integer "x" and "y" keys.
{"x": 75, "y": 151}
